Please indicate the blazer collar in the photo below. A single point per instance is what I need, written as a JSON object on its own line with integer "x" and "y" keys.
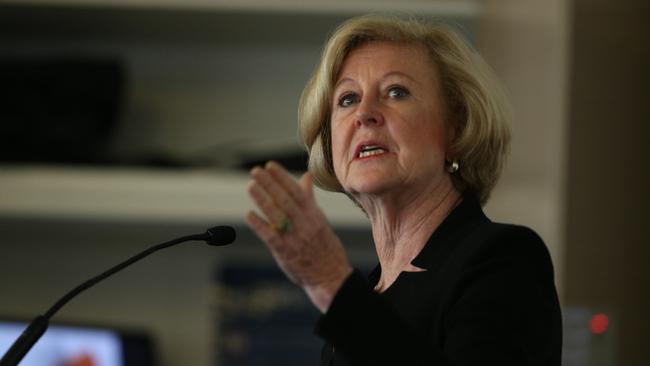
{"x": 460, "y": 221}
{"x": 453, "y": 228}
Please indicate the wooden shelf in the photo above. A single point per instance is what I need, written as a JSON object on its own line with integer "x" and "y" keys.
{"x": 142, "y": 195}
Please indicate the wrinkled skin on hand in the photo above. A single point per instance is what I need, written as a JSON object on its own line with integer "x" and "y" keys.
{"x": 308, "y": 252}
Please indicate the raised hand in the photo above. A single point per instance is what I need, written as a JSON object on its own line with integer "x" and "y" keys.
{"x": 297, "y": 233}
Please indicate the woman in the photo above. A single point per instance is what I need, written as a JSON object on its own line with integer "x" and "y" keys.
{"x": 406, "y": 120}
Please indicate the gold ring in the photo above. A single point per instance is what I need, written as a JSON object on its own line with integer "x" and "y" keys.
{"x": 283, "y": 226}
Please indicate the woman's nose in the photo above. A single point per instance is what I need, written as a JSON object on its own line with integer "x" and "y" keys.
{"x": 368, "y": 113}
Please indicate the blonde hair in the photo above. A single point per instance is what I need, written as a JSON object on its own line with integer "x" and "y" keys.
{"x": 474, "y": 102}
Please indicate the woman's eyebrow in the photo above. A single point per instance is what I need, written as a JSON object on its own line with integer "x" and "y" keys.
{"x": 342, "y": 81}
{"x": 399, "y": 73}
{"x": 385, "y": 76}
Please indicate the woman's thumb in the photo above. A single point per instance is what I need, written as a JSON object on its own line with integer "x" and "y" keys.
{"x": 306, "y": 184}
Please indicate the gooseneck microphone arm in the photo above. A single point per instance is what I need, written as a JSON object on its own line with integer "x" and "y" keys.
{"x": 217, "y": 236}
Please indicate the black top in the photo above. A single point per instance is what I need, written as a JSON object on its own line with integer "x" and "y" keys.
{"x": 487, "y": 297}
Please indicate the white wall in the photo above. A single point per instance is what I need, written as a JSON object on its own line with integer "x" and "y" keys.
{"x": 526, "y": 42}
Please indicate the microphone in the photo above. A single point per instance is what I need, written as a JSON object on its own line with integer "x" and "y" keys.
{"x": 216, "y": 236}
{"x": 219, "y": 235}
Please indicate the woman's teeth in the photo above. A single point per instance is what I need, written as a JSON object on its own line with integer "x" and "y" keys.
{"x": 370, "y": 151}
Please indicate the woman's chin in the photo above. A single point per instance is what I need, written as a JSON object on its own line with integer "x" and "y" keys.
{"x": 372, "y": 178}
{"x": 372, "y": 187}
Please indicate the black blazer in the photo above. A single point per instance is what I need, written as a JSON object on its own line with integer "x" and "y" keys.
{"x": 487, "y": 297}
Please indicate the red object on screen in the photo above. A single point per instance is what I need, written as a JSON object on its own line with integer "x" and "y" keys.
{"x": 599, "y": 323}
{"x": 83, "y": 360}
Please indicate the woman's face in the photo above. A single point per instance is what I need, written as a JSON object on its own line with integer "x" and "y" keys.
{"x": 387, "y": 120}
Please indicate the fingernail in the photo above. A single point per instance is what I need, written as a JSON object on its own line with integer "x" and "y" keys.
{"x": 274, "y": 165}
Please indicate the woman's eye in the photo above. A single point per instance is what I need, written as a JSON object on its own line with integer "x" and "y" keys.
{"x": 347, "y": 100}
{"x": 397, "y": 92}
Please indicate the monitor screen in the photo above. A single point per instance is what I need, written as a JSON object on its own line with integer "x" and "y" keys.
{"x": 64, "y": 345}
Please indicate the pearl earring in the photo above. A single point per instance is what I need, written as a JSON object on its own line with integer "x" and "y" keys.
{"x": 453, "y": 167}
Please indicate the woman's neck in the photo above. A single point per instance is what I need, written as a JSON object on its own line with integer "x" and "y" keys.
{"x": 403, "y": 222}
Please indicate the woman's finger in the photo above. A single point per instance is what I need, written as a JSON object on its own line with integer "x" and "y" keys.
{"x": 275, "y": 191}
{"x": 287, "y": 181}
{"x": 275, "y": 243}
{"x": 306, "y": 184}
{"x": 262, "y": 229}
{"x": 274, "y": 214}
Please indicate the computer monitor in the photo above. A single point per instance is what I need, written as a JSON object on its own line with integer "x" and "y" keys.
{"x": 76, "y": 345}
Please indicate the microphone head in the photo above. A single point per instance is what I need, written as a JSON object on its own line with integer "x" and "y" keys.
{"x": 220, "y": 235}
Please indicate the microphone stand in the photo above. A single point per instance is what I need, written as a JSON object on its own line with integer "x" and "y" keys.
{"x": 218, "y": 236}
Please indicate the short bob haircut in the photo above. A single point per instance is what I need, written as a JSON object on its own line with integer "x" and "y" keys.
{"x": 474, "y": 101}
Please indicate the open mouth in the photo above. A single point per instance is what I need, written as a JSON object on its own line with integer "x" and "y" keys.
{"x": 371, "y": 150}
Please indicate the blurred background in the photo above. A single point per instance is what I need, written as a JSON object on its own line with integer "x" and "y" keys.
{"x": 124, "y": 123}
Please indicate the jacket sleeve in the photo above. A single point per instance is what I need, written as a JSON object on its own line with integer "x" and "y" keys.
{"x": 499, "y": 306}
